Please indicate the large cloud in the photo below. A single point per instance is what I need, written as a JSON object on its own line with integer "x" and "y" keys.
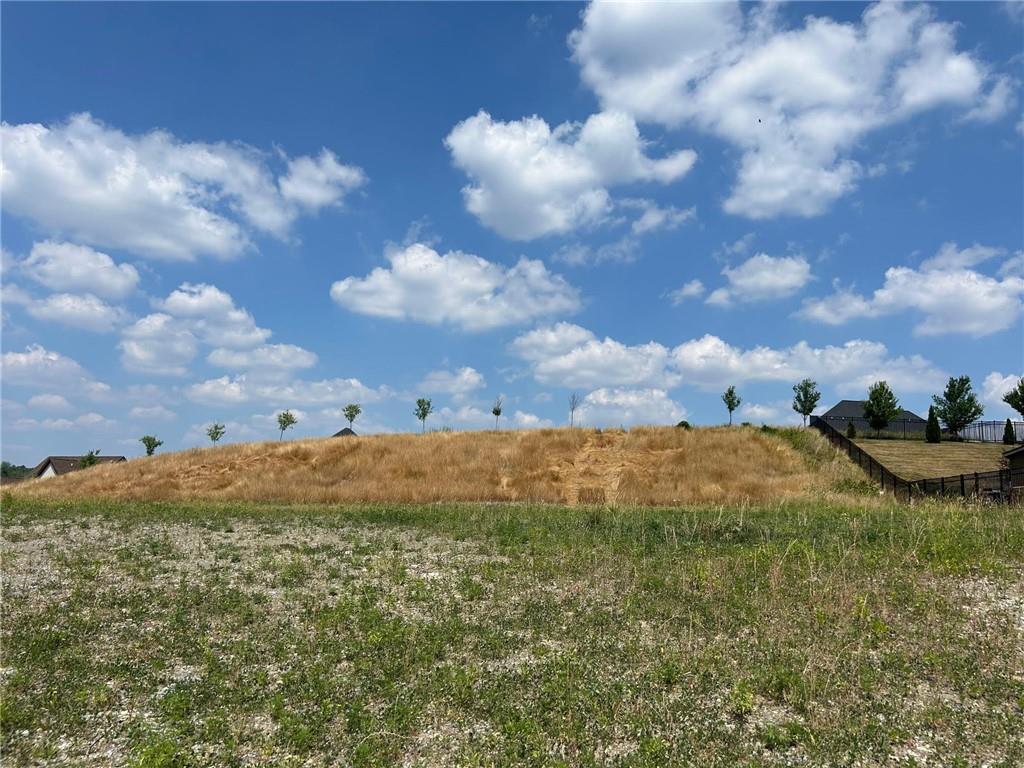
{"x": 156, "y": 195}
{"x": 530, "y": 180}
{"x": 73, "y": 268}
{"x": 40, "y": 367}
{"x": 85, "y": 312}
{"x": 570, "y": 356}
{"x": 795, "y": 102}
{"x": 158, "y": 344}
{"x": 270, "y": 358}
{"x": 950, "y": 297}
{"x": 213, "y": 316}
{"x": 626, "y": 407}
{"x": 243, "y": 389}
{"x": 456, "y": 288}
{"x": 762, "y": 278}
{"x": 165, "y": 342}
{"x": 994, "y": 387}
{"x": 458, "y": 383}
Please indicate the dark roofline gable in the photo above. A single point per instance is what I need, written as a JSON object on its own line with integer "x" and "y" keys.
{"x": 64, "y": 464}
{"x": 854, "y": 409}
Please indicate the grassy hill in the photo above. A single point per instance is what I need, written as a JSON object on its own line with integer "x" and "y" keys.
{"x": 644, "y": 466}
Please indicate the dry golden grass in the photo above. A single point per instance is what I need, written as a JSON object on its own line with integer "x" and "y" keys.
{"x": 916, "y": 459}
{"x": 646, "y": 466}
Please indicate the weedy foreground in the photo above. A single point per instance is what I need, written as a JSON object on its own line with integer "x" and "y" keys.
{"x": 821, "y": 632}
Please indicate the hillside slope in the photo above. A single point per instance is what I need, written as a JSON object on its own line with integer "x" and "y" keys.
{"x": 646, "y": 465}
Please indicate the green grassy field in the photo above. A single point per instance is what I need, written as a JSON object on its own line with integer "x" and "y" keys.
{"x": 916, "y": 459}
{"x": 814, "y": 632}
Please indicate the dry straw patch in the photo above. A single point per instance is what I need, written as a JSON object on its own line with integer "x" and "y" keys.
{"x": 645, "y": 466}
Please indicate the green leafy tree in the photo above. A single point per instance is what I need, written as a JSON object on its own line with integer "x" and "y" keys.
{"x": 423, "y": 409}
{"x": 285, "y": 420}
{"x": 1015, "y": 398}
{"x": 496, "y": 410}
{"x": 215, "y": 432}
{"x": 932, "y": 432}
{"x": 90, "y": 459}
{"x": 957, "y": 406}
{"x": 805, "y": 398}
{"x": 851, "y": 431}
{"x": 150, "y": 443}
{"x": 1009, "y": 435}
{"x": 732, "y": 401}
{"x": 881, "y": 406}
{"x": 351, "y": 413}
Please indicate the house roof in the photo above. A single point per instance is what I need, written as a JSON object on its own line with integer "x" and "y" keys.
{"x": 64, "y": 464}
{"x": 854, "y": 409}
{"x": 346, "y": 432}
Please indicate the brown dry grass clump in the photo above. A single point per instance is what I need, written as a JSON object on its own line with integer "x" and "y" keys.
{"x": 647, "y": 466}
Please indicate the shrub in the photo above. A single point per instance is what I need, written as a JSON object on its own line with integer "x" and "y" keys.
{"x": 684, "y": 424}
{"x": 851, "y": 431}
{"x": 932, "y": 433}
{"x": 1009, "y": 436}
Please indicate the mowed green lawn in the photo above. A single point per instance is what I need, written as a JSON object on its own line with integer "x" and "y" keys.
{"x": 822, "y": 633}
{"x": 916, "y": 459}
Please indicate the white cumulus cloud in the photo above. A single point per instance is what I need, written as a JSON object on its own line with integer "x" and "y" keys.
{"x": 796, "y": 102}
{"x": 269, "y": 357}
{"x": 40, "y": 367}
{"x": 71, "y": 268}
{"x": 950, "y": 297}
{"x": 457, "y": 289}
{"x": 48, "y": 401}
{"x": 460, "y": 382}
{"x": 626, "y": 407}
{"x": 762, "y": 278}
{"x": 570, "y": 356}
{"x": 154, "y": 194}
{"x": 528, "y": 179}
{"x": 157, "y": 344}
{"x": 85, "y": 312}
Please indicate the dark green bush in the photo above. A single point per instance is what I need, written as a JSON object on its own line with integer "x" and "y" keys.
{"x": 932, "y": 433}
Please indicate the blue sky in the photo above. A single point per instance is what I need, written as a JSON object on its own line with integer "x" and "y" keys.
{"x": 215, "y": 212}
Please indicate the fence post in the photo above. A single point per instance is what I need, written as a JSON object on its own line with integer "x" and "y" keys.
{"x": 942, "y": 486}
{"x": 962, "y": 491}
{"x": 976, "y": 489}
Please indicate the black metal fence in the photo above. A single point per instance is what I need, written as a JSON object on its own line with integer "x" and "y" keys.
{"x": 905, "y": 428}
{"x": 1002, "y": 485}
{"x": 991, "y": 431}
{"x": 912, "y": 429}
